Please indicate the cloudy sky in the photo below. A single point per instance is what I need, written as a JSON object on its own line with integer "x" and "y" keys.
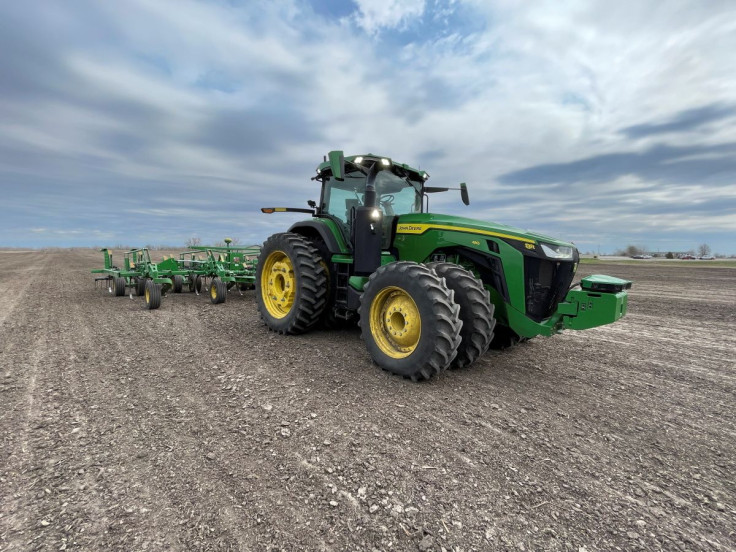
{"x": 149, "y": 122}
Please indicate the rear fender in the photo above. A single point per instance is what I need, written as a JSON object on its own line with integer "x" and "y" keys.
{"x": 321, "y": 230}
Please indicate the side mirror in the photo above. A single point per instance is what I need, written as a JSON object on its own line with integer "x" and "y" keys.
{"x": 337, "y": 164}
{"x": 464, "y": 193}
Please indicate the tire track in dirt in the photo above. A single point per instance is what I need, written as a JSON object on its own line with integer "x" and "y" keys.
{"x": 157, "y": 393}
{"x": 121, "y": 499}
{"x": 27, "y": 339}
{"x": 135, "y": 458}
{"x": 178, "y": 477}
{"x": 24, "y": 269}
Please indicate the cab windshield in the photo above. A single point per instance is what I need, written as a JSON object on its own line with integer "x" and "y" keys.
{"x": 395, "y": 195}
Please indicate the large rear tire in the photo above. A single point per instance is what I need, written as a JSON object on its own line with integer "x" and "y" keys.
{"x": 291, "y": 284}
{"x": 476, "y": 312}
{"x": 409, "y": 320}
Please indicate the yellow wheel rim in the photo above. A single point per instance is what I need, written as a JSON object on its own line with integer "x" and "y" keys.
{"x": 395, "y": 322}
{"x": 148, "y": 296}
{"x": 213, "y": 290}
{"x": 278, "y": 284}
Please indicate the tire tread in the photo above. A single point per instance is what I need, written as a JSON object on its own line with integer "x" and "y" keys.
{"x": 446, "y": 337}
{"x": 312, "y": 293}
{"x": 476, "y": 312}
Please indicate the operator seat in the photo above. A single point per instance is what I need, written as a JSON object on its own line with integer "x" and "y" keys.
{"x": 350, "y": 204}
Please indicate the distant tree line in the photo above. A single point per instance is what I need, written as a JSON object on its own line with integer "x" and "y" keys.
{"x": 197, "y": 241}
{"x": 703, "y": 250}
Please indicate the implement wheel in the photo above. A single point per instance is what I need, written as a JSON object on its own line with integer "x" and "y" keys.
{"x": 140, "y": 287}
{"x": 476, "y": 312}
{"x": 178, "y": 281}
{"x": 291, "y": 284}
{"x": 152, "y": 295}
{"x": 409, "y": 320}
{"x": 119, "y": 286}
{"x": 218, "y": 291}
{"x": 195, "y": 283}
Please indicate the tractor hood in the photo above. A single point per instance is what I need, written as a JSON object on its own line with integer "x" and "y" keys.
{"x": 418, "y": 223}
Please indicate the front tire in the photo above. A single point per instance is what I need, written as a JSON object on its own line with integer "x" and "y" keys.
{"x": 476, "y": 312}
{"x": 291, "y": 284}
{"x": 409, "y": 320}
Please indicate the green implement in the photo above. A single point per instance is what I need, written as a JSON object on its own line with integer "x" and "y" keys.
{"x": 142, "y": 275}
{"x": 224, "y": 268}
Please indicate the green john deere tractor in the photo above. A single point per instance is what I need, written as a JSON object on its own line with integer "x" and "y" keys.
{"x": 430, "y": 291}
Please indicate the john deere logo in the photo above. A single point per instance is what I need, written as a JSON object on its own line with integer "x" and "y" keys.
{"x": 409, "y": 228}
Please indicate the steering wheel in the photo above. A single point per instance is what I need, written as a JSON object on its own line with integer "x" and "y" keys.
{"x": 387, "y": 202}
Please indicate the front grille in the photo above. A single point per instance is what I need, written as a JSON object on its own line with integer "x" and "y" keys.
{"x": 546, "y": 283}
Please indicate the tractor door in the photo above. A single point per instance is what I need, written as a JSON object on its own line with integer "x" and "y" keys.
{"x": 395, "y": 195}
{"x": 340, "y": 198}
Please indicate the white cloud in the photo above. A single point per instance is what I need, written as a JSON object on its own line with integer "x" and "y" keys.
{"x": 377, "y": 15}
{"x": 145, "y": 101}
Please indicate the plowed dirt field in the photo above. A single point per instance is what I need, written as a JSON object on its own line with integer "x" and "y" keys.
{"x": 195, "y": 428}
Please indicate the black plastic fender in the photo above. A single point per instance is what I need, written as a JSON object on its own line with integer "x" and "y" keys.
{"x": 312, "y": 229}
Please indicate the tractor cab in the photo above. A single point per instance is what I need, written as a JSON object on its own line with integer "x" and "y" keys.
{"x": 371, "y": 185}
{"x": 384, "y": 189}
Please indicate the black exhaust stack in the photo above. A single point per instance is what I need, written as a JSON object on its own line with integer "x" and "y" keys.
{"x": 367, "y": 228}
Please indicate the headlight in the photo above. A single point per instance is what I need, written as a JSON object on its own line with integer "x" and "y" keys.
{"x": 557, "y": 251}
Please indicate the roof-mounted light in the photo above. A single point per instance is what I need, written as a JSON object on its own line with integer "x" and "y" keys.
{"x": 385, "y": 162}
{"x": 358, "y": 160}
